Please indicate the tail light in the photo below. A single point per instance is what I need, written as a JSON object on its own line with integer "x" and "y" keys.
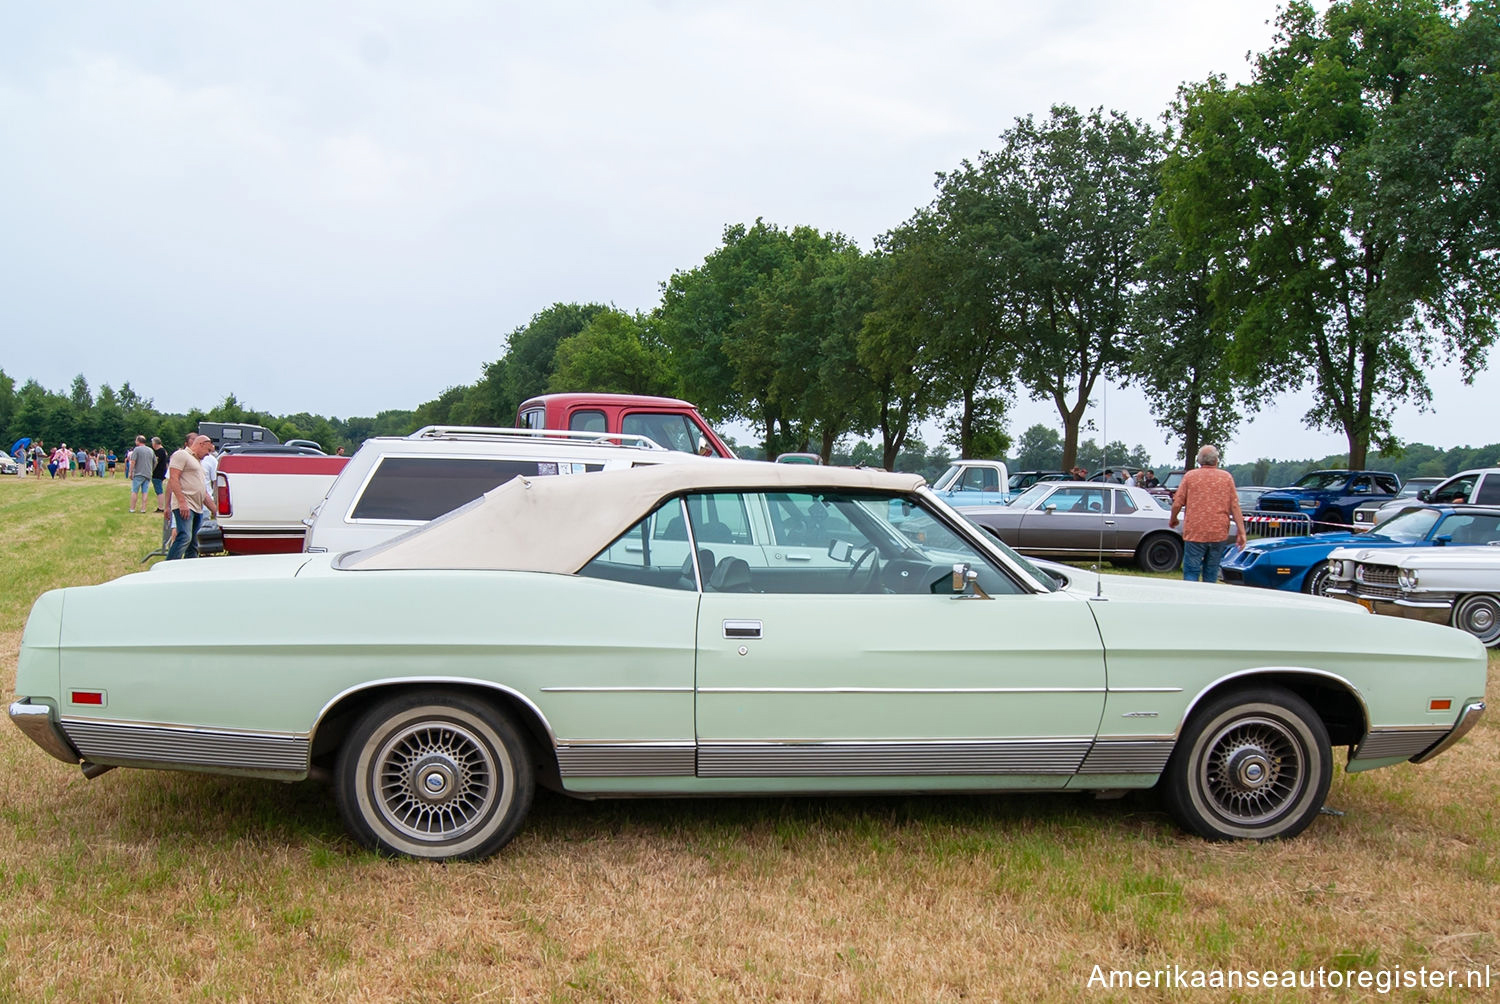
{"x": 221, "y": 492}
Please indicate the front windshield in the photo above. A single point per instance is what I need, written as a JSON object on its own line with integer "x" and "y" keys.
{"x": 1320, "y": 480}
{"x": 1408, "y": 525}
{"x": 1032, "y": 495}
{"x": 946, "y": 479}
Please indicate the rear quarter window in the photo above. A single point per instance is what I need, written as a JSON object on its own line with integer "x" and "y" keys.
{"x": 422, "y": 488}
{"x": 1489, "y": 491}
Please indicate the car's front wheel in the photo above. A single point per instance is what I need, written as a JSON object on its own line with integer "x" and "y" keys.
{"x": 1480, "y": 616}
{"x": 1161, "y": 553}
{"x": 434, "y": 774}
{"x": 1316, "y": 583}
{"x": 1252, "y": 765}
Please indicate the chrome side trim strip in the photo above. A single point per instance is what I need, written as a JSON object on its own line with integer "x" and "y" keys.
{"x": 1402, "y": 742}
{"x": 625, "y": 760}
{"x": 1466, "y": 721}
{"x": 1127, "y": 756}
{"x": 891, "y": 759}
{"x": 617, "y": 690}
{"x": 901, "y": 690}
{"x": 35, "y": 722}
{"x": 178, "y": 746}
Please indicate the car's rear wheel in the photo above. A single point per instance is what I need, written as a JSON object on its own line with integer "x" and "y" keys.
{"x": 1160, "y": 553}
{"x": 1250, "y": 765}
{"x": 434, "y": 774}
{"x": 1480, "y": 616}
{"x": 1316, "y": 582}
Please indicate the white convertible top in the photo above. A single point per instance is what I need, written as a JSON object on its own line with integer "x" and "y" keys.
{"x": 557, "y": 523}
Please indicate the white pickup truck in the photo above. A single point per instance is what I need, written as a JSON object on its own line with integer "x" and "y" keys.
{"x": 265, "y": 492}
{"x": 974, "y": 482}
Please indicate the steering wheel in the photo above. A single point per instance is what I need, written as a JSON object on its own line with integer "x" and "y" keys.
{"x": 853, "y": 580}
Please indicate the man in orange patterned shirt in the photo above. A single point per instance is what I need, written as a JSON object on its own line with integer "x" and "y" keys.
{"x": 1205, "y": 524}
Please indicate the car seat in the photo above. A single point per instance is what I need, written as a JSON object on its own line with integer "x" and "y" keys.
{"x": 732, "y": 575}
{"x": 705, "y": 564}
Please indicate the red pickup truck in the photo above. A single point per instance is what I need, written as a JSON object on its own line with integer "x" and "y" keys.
{"x": 265, "y": 492}
{"x": 667, "y": 421}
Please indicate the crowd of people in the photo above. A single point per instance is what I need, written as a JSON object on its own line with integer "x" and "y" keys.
{"x": 180, "y": 483}
{"x": 62, "y": 462}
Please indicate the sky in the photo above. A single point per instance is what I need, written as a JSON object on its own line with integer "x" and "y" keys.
{"x": 344, "y": 208}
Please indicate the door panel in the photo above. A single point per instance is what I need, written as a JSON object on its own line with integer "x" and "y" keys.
{"x": 888, "y": 684}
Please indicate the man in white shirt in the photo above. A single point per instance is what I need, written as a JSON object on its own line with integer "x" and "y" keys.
{"x": 188, "y": 490}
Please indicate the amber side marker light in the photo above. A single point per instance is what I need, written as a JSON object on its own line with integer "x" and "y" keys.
{"x": 1440, "y": 704}
{"x": 88, "y": 697}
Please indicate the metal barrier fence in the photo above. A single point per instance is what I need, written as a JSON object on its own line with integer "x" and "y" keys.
{"x": 1261, "y": 523}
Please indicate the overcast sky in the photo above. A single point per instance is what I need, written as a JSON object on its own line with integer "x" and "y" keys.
{"x": 344, "y": 208}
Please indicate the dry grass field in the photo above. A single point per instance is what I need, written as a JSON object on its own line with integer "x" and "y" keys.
{"x": 146, "y": 886}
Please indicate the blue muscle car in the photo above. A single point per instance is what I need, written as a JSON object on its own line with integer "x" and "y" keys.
{"x": 1295, "y": 563}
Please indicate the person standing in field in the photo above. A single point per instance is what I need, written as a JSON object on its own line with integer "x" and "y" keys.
{"x": 138, "y": 464}
{"x": 159, "y": 470}
{"x": 1207, "y": 497}
{"x": 188, "y": 490}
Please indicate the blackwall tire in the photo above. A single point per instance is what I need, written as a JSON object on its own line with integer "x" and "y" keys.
{"x": 1316, "y": 583}
{"x": 1480, "y": 616}
{"x": 1250, "y": 765}
{"x": 1161, "y": 553}
{"x": 434, "y": 774}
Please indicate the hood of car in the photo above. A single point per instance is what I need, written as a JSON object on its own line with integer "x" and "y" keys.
{"x": 1284, "y": 545}
{"x": 1477, "y": 556}
{"x": 1141, "y": 588}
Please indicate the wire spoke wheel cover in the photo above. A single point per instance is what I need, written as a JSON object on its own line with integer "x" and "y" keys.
{"x": 434, "y": 775}
{"x": 1250, "y": 765}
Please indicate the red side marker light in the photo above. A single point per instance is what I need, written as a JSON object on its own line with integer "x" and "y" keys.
{"x": 1440, "y": 704}
{"x": 88, "y": 697}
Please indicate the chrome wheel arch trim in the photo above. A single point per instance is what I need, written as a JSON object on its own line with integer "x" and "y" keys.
{"x": 433, "y": 681}
{"x": 1192, "y": 705}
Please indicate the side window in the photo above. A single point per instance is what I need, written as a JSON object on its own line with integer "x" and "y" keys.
{"x": 719, "y": 519}
{"x": 1386, "y": 486}
{"x": 1458, "y": 490}
{"x": 646, "y": 554}
{"x": 674, "y": 432}
{"x": 1360, "y": 486}
{"x": 534, "y": 418}
{"x": 1489, "y": 491}
{"x": 587, "y": 421}
{"x": 423, "y": 488}
{"x": 1123, "y": 502}
{"x": 1078, "y": 500}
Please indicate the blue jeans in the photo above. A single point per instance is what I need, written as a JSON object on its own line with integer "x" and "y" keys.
{"x": 185, "y": 544}
{"x": 1200, "y": 560}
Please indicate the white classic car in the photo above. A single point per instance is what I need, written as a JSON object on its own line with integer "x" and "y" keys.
{"x": 1445, "y": 585}
{"x": 730, "y": 628}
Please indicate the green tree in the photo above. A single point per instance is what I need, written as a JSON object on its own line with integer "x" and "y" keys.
{"x": 1040, "y": 448}
{"x": 613, "y": 353}
{"x": 1180, "y": 353}
{"x": 1058, "y": 211}
{"x": 900, "y": 361}
{"x": 1345, "y": 203}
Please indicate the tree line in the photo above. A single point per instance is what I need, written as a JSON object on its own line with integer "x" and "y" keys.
{"x": 1332, "y": 224}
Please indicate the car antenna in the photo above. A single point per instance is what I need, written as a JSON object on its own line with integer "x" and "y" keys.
{"x": 1104, "y": 491}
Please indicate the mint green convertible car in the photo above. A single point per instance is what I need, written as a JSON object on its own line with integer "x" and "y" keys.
{"x": 730, "y": 628}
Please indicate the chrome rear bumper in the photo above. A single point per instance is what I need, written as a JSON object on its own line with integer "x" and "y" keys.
{"x": 35, "y": 720}
{"x": 1465, "y": 722}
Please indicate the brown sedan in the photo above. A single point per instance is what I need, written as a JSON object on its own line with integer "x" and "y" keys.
{"x": 1081, "y": 520}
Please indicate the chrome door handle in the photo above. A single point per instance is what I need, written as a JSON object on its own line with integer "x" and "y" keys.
{"x": 742, "y": 629}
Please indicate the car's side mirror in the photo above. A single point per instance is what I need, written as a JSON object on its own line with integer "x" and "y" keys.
{"x": 1443, "y": 540}
{"x": 1050, "y": 507}
{"x": 1422, "y": 494}
{"x": 966, "y": 579}
{"x": 840, "y": 550}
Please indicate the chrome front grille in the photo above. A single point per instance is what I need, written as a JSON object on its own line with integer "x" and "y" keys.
{"x": 1375, "y": 575}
